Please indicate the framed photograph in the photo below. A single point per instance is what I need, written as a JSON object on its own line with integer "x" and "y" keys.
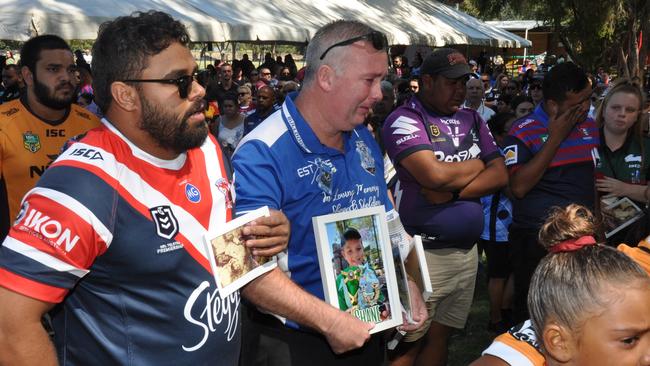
{"x": 232, "y": 263}
{"x": 619, "y": 213}
{"x": 424, "y": 279}
{"x": 357, "y": 266}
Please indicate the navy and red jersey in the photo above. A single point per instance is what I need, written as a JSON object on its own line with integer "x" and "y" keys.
{"x": 459, "y": 137}
{"x": 114, "y": 235}
{"x": 569, "y": 177}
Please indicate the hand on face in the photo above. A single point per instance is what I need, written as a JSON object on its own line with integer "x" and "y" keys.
{"x": 560, "y": 126}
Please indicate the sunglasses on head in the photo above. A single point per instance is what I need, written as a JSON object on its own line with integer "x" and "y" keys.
{"x": 184, "y": 83}
{"x": 377, "y": 39}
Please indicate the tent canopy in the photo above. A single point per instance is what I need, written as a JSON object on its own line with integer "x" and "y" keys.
{"x": 409, "y": 22}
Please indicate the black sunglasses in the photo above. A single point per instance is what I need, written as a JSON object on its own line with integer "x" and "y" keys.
{"x": 378, "y": 40}
{"x": 533, "y": 87}
{"x": 184, "y": 83}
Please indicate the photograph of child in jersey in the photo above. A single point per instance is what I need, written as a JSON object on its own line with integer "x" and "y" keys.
{"x": 232, "y": 257}
{"x": 358, "y": 268}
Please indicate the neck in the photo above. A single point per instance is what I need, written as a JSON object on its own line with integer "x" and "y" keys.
{"x": 430, "y": 107}
{"x": 614, "y": 141}
{"x": 42, "y": 111}
{"x": 318, "y": 121}
{"x": 231, "y": 121}
{"x": 474, "y": 104}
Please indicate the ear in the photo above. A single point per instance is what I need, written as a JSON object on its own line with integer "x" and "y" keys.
{"x": 125, "y": 96}
{"x": 552, "y": 107}
{"x": 27, "y": 75}
{"x": 325, "y": 76}
{"x": 559, "y": 342}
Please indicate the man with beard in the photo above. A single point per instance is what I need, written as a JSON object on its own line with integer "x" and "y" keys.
{"x": 34, "y": 128}
{"x": 227, "y": 87}
{"x": 113, "y": 233}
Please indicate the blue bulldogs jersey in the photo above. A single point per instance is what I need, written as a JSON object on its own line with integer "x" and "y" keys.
{"x": 283, "y": 165}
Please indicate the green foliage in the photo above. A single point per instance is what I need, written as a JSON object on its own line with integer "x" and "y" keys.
{"x": 593, "y": 32}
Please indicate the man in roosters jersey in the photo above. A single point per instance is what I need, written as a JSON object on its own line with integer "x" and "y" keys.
{"x": 548, "y": 155}
{"x": 34, "y": 127}
{"x": 110, "y": 239}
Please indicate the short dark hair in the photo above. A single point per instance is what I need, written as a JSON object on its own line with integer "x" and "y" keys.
{"x": 520, "y": 99}
{"x": 563, "y": 78}
{"x": 14, "y": 67}
{"x": 497, "y": 123}
{"x": 124, "y": 44}
{"x": 351, "y": 234}
{"x": 230, "y": 97}
{"x": 30, "y": 53}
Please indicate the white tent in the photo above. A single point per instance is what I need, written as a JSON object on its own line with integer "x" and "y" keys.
{"x": 79, "y": 19}
{"x": 409, "y": 22}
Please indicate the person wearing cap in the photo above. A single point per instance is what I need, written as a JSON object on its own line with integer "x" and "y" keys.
{"x": 426, "y": 137}
{"x": 315, "y": 157}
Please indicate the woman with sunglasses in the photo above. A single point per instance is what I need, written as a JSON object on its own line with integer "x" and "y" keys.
{"x": 623, "y": 167}
{"x": 588, "y": 302}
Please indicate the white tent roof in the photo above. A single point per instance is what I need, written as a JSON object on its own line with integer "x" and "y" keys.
{"x": 410, "y": 22}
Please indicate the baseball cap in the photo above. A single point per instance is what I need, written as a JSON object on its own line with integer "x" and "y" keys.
{"x": 447, "y": 62}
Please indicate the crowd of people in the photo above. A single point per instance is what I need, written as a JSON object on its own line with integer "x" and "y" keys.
{"x": 113, "y": 171}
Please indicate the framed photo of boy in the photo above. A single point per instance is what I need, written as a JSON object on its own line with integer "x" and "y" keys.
{"x": 357, "y": 267}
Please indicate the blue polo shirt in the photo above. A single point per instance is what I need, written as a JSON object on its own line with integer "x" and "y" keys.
{"x": 283, "y": 165}
{"x": 569, "y": 177}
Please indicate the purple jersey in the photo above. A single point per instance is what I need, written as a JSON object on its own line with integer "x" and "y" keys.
{"x": 458, "y": 137}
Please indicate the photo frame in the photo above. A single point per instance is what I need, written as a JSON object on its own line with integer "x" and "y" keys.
{"x": 425, "y": 280}
{"x": 358, "y": 273}
{"x": 619, "y": 213}
{"x": 232, "y": 263}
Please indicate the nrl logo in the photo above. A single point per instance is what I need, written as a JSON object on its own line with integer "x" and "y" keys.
{"x": 31, "y": 141}
{"x": 166, "y": 223}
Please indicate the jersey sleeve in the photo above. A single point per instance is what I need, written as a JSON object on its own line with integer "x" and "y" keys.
{"x": 516, "y": 153}
{"x": 404, "y": 133}
{"x": 257, "y": 178}
{"x": 517, "y": 347}
{"x": 52, "y": 244}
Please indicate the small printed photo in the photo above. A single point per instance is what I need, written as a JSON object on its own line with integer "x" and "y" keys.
{"x": 232, "y": 263}
{"x": 619, "y": 213}
{"x": 357, "y": 266}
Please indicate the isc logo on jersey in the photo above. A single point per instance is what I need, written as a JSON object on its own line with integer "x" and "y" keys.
{"x": 38, "y": 222}
{"x": 406, "y": 127}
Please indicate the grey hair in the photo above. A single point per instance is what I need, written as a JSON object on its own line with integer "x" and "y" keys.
{"x": 567, "y": 285}
{"x": 331, "y": 33}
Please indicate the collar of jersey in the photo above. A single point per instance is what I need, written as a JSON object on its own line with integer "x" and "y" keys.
{"x": 540, "y": 114}
{"x": 174, "y": 164}
{"x": 300, "y": 131}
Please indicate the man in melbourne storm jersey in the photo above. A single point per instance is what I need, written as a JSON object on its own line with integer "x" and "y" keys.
{"x": 112, "y": 233}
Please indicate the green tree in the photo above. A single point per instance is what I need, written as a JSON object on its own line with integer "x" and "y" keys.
{"x": 594, "y": 32}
